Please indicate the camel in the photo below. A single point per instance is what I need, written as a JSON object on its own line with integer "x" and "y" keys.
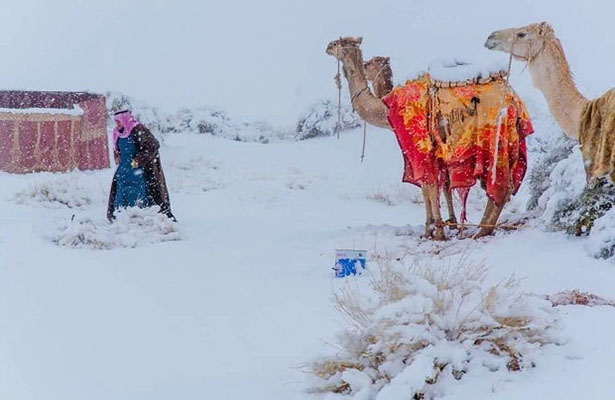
{"x": 379, "y": 73}
{"x": 374, "y": 111}
{"x": 581, "y": 119}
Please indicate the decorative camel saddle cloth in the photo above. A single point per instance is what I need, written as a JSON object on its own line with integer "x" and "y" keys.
{"x": 459, "y": 130}
{"x": 597, "y": 136}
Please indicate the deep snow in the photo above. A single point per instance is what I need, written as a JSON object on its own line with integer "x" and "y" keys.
{"x": 243, "y": 300}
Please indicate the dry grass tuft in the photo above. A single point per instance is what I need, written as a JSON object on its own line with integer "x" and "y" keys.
{"x": 419, "y": 323}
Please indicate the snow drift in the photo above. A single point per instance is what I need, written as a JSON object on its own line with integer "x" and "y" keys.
{"x": 132, "y": 227}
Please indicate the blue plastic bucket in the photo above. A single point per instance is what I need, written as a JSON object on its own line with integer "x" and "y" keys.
{"x": 349, "y": 262}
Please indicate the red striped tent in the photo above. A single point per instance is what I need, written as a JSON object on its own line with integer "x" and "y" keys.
{"x": 52, "y": 131}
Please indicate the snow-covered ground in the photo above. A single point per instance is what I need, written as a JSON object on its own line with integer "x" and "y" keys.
{"x": 238, "y": 299}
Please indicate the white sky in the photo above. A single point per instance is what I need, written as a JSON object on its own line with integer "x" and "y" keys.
{"x": 265, "y": 59}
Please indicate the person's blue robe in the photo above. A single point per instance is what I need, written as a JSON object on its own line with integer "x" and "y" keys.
{"x": 131, "y": 189}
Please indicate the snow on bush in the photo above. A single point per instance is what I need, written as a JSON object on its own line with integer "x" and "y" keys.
{"x": 419, "y": 328}
{"x": 601, "y": 240}
{"x": 559, "y": 193}
{"x": 565, "y": 184}
{"x": 539, "y": 175}
{"x": 133, "y": 227}
{"x": 201, "y": 120}
{"x": 150, "y": 116}
{"x": 321, "y": 120}
{"x": 568, "y": 203}
{"x": 74, "y": 191}
{"x": 580, "y": 215}
{"x": 206, "y": 120}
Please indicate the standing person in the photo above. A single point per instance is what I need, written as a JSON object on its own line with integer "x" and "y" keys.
{"x": 138, "y": 180}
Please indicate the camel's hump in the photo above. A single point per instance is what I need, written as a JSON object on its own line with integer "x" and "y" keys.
{"x": 455, "y": 69}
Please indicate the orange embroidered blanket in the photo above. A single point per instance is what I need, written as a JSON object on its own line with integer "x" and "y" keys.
{"x": 470, "y": 132}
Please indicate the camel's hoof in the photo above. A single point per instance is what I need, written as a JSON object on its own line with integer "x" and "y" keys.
{"x": 483, "y": 233}
{"x": 429, "y": 230}
{"x": 439, "y": 235}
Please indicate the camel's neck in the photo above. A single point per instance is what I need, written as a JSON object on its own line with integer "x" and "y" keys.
{"x": 354, "y": 71}
{"x": 551, "y": 75}
{"x": 370, "y": 108}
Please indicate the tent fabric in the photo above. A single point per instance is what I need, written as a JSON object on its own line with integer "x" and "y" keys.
{"x": 40, "y": 131}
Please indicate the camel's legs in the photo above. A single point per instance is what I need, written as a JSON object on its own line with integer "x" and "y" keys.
{"x": 429, "y": 222}
{"x": 432, "y": 192}
{"x": 449, "y": 202}
{"x": 490, "y": 219}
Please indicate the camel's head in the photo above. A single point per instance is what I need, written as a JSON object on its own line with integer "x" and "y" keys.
{"x": 340, "y": 47}
{"x": 375, "y": 66}
{"x": 523, "y": 43}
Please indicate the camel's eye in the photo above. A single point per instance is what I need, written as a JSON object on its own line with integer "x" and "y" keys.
{"x": 521, "y": 35}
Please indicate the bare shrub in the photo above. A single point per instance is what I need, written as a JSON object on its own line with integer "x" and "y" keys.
{"x": 417, "y": 324}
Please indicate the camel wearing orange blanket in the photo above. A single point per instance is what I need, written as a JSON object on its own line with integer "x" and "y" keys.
{"x": 462, "y": 132}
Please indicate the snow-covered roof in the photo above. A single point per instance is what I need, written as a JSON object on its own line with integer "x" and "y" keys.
{"x": 75, "y": 111}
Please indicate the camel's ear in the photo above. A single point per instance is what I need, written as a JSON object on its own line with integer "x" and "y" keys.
{"x": 387, "y": 59}
{"x": 544, "y": 28}
{"x": 360, "y": 39}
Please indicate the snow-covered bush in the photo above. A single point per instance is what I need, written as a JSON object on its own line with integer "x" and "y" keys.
{"x": 564, "y": 184}
{"x": 207, "y": 120}
{"x": 579, "y": 215}
{"x": 321, "y": 120}
{"x": 150, "y": 116}
{"x": 201, "y": 120}
{"x": 539, "y": 175}
{"x": 133, "y": 227}
{"x": 560, "y": 193}
{"x": 601, "y": 240}
{"x": 418, "y": 328}
{"x": 59, "y": 191}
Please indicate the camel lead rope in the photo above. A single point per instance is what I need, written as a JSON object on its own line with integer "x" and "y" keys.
{"x": 364, "y": 140}
{"x": 509, "y": 65}
{"x": 502, "y": 114}
{"x": 338, "y": 84}
{"x": 365, "y": 123}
